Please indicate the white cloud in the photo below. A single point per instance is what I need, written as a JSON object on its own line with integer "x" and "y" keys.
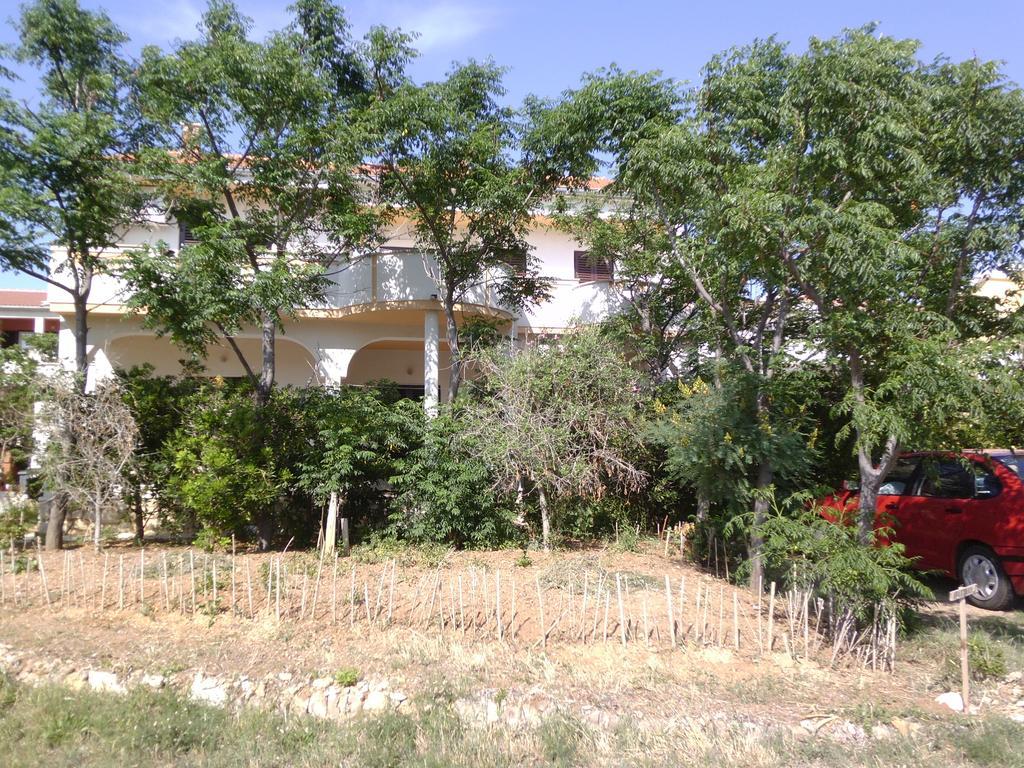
{"x": 446, "y": 23}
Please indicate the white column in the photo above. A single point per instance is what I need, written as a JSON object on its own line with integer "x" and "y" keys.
{"x": 431, "y": 362}
{"x": 39, "y": 325}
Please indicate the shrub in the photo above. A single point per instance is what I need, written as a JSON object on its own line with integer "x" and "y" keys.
{"x": 447, "y": 494}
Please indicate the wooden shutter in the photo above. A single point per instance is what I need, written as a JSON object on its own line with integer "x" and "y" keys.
{"x": 588, "y": 268}
{"x": 185, "y": 235}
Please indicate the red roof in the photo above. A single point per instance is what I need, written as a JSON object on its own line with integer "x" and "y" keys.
{"x": 19, "y": 298}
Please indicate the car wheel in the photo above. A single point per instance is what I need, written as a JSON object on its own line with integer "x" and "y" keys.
{"x": 980, "y": 565}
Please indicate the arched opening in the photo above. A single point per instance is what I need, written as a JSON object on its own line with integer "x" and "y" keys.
{"x": 398, "y": 360}
{"x": 295, "y": 365}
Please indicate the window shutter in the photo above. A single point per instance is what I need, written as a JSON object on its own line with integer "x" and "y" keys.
{"x": 589, "y": 269}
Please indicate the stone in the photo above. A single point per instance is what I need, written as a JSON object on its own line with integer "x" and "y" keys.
{"x": 375, "y": 701}
{"x": 1017, "y": 717}
{"x": 321, "y": 683}
{"x": 209, "y": 690}
{"x": 1014, "y": 677}
{"x": 800, "y": 733}
{"x": 76, "y": 680}
{"x": 398, "y": 698}
{"x": 905, "y": 728}
{"x": 952, "y": 700}
{"x": 299, "y": 703}
{"x": 99, "y": 680}
{"x": 317, "y": 704}
{"x": 154, "y": 681}
{"x": 284, "y": 677}
{"x": 881, "y": 732}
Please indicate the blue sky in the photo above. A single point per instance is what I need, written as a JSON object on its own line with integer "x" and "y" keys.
{"x": 547, "y": 45}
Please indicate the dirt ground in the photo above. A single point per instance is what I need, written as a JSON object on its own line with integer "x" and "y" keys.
{"x": 403, "y": 621}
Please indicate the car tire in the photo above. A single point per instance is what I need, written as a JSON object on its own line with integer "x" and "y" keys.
{"x": 980, "y": 565}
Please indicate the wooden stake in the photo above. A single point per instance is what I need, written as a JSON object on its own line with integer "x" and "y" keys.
{"x": 142, "y": 578}
{"x": 232, "y": 574}
{"x": 277, "y": 590}
{"x": 248, "y": 588}
{"x": 668, "y": 604}
{"x": 622, "y": 613}
{"x": 607, "y": 605}
{"x": 643, "y": 603}
{"x": 120, "y": 583}
{"x": 352, "y": 599}
{"x": 771, "y": 616}
{"x": 85, "y": 585}
{"x": 192, "y": 578}
{"x": 216, "y": 607}
{"x": 391, "y": 591}
{"x": 497, "y": 605}
{"x": 167, "y": 589}
{"x": 735, "y": 622}
{"x": 334, "y": 590}
{"x": 512, "y": 619}
{"x": 540, "y": 608}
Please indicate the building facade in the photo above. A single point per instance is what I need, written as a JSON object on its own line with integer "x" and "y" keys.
{"x": 380, "y": 318}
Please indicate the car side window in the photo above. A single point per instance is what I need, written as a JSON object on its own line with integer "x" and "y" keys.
{"x": 897, "y": 482}
{"x": 948, "y": 479}
{"x": 986, "y": 484}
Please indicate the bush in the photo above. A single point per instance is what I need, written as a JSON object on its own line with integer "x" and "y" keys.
{"x": 447, "y": 494}
{"x": 806, "y": 551}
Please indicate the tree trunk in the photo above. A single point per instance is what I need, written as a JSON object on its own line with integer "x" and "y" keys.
{"x": 703, "y": 507}
{"x": 765, "y": 475}
{"x": 140, "y": 523}
{"x": 81, "y": 339}
{"x": 55, "y": 523}
{"x": 268, "y": 362}
{"x": 455, "y": 361}
{"x": 545, "y": 520}
{"x": 264, "y": 531}
{"x": 96, "y": 524}
{"x": 331, "y": 527}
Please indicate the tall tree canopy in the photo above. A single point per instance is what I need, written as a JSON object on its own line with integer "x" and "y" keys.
{"x": 66, "y": 181}
{"x": 262, "y": 174}
{"x": 469, "y": 174}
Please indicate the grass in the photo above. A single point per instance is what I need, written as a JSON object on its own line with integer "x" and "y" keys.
{"x": 55, "y": 726}
{"x": 995, "y": 647}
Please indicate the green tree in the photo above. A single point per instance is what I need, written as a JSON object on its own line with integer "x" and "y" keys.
{"x": 894, "y": 185}
{"x": 19, "y": 391}
{"x": 67, "y": 194}
{"x": 360, "y": 437}
{"x": 469, "y": 174}
{"x": 692, "y": 234}
{"x": 262, "y": 174}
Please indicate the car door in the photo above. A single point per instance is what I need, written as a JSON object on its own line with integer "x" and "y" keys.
{"x": 931, "y": 517}
{"x": 898, "y": 485}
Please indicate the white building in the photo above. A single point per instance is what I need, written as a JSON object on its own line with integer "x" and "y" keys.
{"x": 381, "y": 319}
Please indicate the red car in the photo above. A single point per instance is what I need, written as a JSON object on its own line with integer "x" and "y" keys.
{"x": 961, "y": 514}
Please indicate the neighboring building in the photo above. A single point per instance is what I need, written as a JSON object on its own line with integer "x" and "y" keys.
{"x": 381, "y": 319}
{"x": 24, "y": 312}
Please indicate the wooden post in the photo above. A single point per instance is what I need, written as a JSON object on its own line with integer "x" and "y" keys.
{"x": 192, "y": 577}
{"x": 334, "y": 590}
{"x": 668, "y": 603}
{"x": 120, "y": 582}
{"x": 248, "y": 588}
{"x": 167, "y": 590}
{"x": 540, "y": 608}
{"x": 771, "y": 615}
{"x": 497, "y": 605}
{"x": 735, "y": 622}
{"x": 215, "y": 606}
{"x": 622, "y": 612}
{"x": 142, "y": 578}
{"x": 962, "y": 594}
{"x": 232, "y": 574}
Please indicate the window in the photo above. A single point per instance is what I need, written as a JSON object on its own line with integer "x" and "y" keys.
{"x": 899, "y": 478}
{"x": 516, "y": 261}
{"x": 948, "y": 479}
{"x": 589, "y": 268}
{"x": 185, "y": 235}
